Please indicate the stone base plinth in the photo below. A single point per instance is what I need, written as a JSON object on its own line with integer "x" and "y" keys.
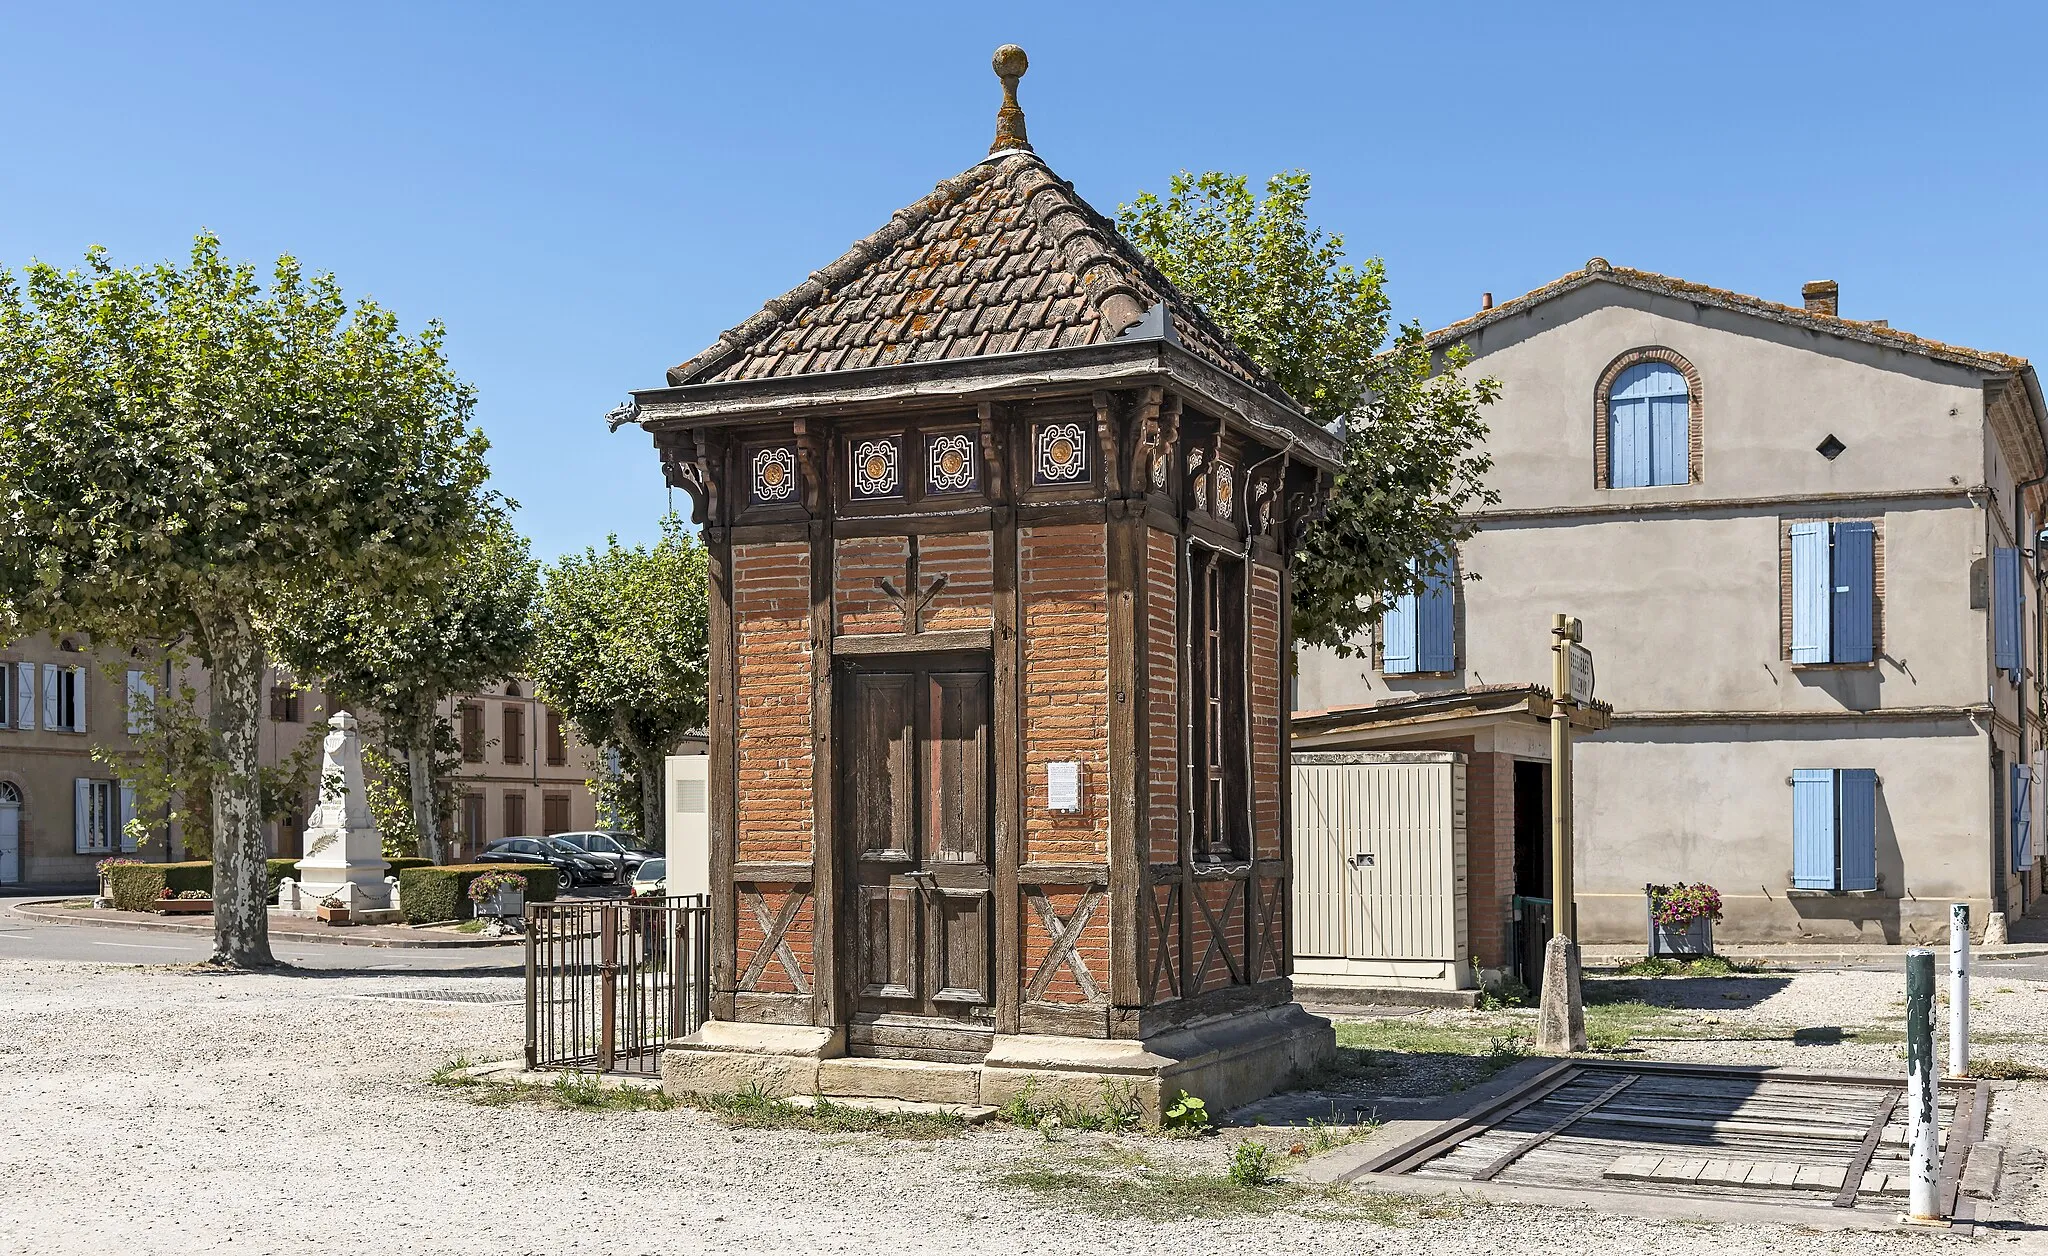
{"x": 1226, "y": 1062}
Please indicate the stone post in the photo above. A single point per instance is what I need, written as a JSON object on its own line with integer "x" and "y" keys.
{"x": 1923, "y": 1132}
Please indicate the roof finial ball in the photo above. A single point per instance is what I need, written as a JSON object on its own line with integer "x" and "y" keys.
{"x": 1010, "y": 64}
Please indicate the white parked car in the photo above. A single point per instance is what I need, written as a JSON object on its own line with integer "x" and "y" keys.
{"x": 651, "y": 878}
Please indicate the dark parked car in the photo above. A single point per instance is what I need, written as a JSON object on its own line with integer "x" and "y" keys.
{"x": 574, "y": 867}
{"x": 620, "y": 853}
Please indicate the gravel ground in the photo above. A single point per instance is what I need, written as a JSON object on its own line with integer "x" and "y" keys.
{"x": 157, "y": 1110}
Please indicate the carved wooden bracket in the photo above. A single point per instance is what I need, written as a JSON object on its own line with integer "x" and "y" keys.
{"x": 812, "y": 443}
{"x": 913, "y": 599}
{"x": 684, "y": 466}
{"x": 1108, "y": 437}
{"x": 993, "y": 450}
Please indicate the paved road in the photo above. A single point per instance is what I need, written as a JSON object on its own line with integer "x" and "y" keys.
{"x": 25, "y": 938}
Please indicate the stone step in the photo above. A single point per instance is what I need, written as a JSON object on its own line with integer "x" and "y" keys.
{"x": 916, "y": 1080}
{"x": 972, "y": 1113}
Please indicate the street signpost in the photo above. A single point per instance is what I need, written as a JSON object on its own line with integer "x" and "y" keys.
{"x": 1561, "y": 1018}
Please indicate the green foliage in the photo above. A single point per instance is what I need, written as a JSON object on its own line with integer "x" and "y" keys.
{"x": 1117, "y": 1112}
{"x": 401, "y": 651}
{"x": 130, "y": 884}
{"x": 185, "y": 453}
{"x": 622, "y": 651}
{"x": 1185, "y": 1115}
{"x": 1502, "y": 994}
{"x": 390, "y": 803}
{"x": 133, "y": 887}
{"x": 433, "y": 894}
{"x": 1252, "y": 1163}
{"x": 1700, "y": 966}
{"x": 1414, "y": 465}
{"x": 754, "y": 1108}
{"x": 395, "y": 865}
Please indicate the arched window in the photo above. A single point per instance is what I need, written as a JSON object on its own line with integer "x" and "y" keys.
{"x": 511, "y": 688}
{"x": 1649, "y": 426}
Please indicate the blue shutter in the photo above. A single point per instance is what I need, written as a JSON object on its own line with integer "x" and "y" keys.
{"x": 2005, "y": 609}
{"x": 1436, "y": 625}
{"x": 1628, "y": 443}
{"x": 1397, "y": 637}
{"x": 1670, "y": 439}
{"x": 1813, "y": 829}
{"x": 1854, "y": 591}
{"x": 1812, "y": 593}
{"x": 1857, "y": 809}
{"x": 2021, "y": 793}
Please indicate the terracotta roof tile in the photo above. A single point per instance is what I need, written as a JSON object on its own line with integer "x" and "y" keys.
{"x": 1002, "y": 258}
{"x": 1600, "y": 270}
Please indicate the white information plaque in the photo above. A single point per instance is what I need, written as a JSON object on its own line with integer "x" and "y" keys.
{"x": 1063, "y": 786}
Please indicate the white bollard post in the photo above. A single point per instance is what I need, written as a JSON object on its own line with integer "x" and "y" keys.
{"x": 1923, "y": 1131}
{"x": 1959, "y": 990}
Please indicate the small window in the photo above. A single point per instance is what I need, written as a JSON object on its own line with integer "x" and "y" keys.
{"x": 558, "y": 740}
{"x": 554, "y": 810}
{"x": 511, "y": 688}
{"x": 515, "y": 815}
{"x": 1419, "y": 633}
{"x": 1831, "y": 586}
{"x": 2022, "y": 827}
{"x": 286, "y": 704}
{"x": 1834, "y": 829}
{"x": 96, "y": 820}
{"x": 473, "y": 820}
{"x": 514, "y": 733}
{"x": 1216, "y": 614}
{"x": 141, "y": 702}
{"x": 1649, "y": 434}
{"x": 63, "y": 698}
{"x": 472, "y": 732}
{"x": 6, "y": 695}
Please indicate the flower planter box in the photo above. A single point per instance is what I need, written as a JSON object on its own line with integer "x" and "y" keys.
{"x": 183, "y": 907}
{"x": 502, "y": 904}
{"x": 1682, "y": 941}
{"x": 332, "y": 915}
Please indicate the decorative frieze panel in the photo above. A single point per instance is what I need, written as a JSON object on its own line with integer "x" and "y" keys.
{"x": 952, "y": 463}
{"x": 774, "y": 476}
{"x": 1060, "y": 455}
{"x": 877, "y": 468}
{"x": 1226, "y": 490}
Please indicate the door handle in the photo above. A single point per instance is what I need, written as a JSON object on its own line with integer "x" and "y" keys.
{"x": 1362, "y": 859}
{"x": 918, "y": 874}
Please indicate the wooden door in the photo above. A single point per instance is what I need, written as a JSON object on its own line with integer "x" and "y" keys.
{"x": 917, "y": 829}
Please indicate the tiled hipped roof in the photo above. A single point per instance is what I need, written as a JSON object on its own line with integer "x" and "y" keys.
{"x": 1003, "y": 258}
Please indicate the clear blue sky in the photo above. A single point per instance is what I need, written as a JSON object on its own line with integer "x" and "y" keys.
{"x": 587, "y": 194}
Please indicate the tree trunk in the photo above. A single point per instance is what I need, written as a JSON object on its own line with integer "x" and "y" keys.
{"x": 419, "y": 775}
{"x": 241, "y": 920}
{"x": 653, "y": 768}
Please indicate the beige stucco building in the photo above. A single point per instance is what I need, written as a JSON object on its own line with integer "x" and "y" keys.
{"x": 1803, "y": 550}
{"x": 523, "y": 769}
{"x": 61, "y": 810}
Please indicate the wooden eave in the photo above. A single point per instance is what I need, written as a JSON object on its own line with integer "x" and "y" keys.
{"x": 996, "y": 377}
{"x": 1316, "y": 729}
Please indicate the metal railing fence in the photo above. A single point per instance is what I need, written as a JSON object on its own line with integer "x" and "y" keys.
{"x": 609, "y": 982}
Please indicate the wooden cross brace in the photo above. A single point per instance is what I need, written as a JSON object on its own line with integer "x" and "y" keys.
{"x": 1064, "y": 934}
{"x": 913, "y": 602}
{"x": 1218, "y": 942}
{"x": 775, "y": 940}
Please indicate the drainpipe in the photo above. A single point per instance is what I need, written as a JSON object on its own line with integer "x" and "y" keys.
{"x": 2030, "y": 548}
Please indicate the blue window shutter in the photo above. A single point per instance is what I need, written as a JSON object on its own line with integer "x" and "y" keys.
{"x": 1670, "y": 440}
{"x": 1854, "y": 591}
{"x": 1397, "y": 637}
{"x": 1813, "y": 829}
{"x": 1857, "y": 808}
{"x": 2021, "y": 794}
{"x": 1436, "y": 626}
{"x": 1628, "y": 443}
{"x": 2005, "y": 608}
{"x": 1812, "y": 593}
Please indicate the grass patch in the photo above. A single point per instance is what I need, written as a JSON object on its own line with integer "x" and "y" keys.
{"x": 753, "y": 1109}
{"x": 585, "y": 1092}
{"x": 1130, "y": 1187}
{"x": 1411, "y": 1037}
{"x": 470, "y": 926}
{"x": 1701, "y": 966}
{"x": 1118, "y": 1112}
{"x": 451, "y": 1074}
{"x": 2004, "y": 1071}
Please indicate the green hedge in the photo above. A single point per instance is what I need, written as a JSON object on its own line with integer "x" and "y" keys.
{"x": 435, "y": 893}
{"x": 136, "y": 887}
{"x": 396, "y": 865}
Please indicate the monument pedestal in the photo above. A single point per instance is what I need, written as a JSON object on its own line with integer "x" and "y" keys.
{"x": 344, "y": 857}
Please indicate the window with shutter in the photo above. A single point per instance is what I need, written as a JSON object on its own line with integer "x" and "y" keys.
{"x": 127, "y": 813}
{"x": 50, "y": 697}
{"x": 25, "y": 696}
{"x": 2022, "y": 795}
{"x": 141, "y": 702}
{"x": 554, "y": 809}
{"x": 515, "y": 733}
{"x": 558, "y": 741}
{"x": 1834, "y": 829}
{"x": 472, "y": 732}
{"x": 2008, "y": 603}
{"x": 6, "y": 695}
{"x": 1831, "y": 586}
{"x": 1398, "y": 656}
{"x": 94, "y": 806}
{"x": 1436, "y": 629}
{"x": 1649, "y": 427}
{"x": 515, "y": 812}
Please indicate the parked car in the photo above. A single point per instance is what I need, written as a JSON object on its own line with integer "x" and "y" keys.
{"x": 575, "y": 867}
{"x": 652, "y": 878}
{"x": 621, "y": 853}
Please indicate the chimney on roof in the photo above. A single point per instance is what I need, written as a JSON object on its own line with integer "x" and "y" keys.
{"x": 1486, "y": 300}
{"x": 1823, "y": 296}
{"x": 1009, "y": 64}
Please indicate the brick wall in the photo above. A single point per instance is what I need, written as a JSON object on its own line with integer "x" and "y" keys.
{"x": 771, "y": 616}
{"x": 967, "y": 561}
{"x": 1162, "y": 684}
{"x": 1263, "y": 641}
{"x": 858, "y": 604}
{"x": 1064, "y": 609}
{"x": 1489, "y": 855}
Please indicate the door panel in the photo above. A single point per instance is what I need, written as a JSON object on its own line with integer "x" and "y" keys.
{"x": 10, "y": 842}
{"x": 919, "y": 833}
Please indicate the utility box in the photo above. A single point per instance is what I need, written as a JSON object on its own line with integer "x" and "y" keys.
{"x": 688, "y": 845}
{"x": 1380, "y": 872}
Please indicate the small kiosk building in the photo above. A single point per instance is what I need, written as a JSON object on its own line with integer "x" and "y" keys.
{"x": 999, "y": 527}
